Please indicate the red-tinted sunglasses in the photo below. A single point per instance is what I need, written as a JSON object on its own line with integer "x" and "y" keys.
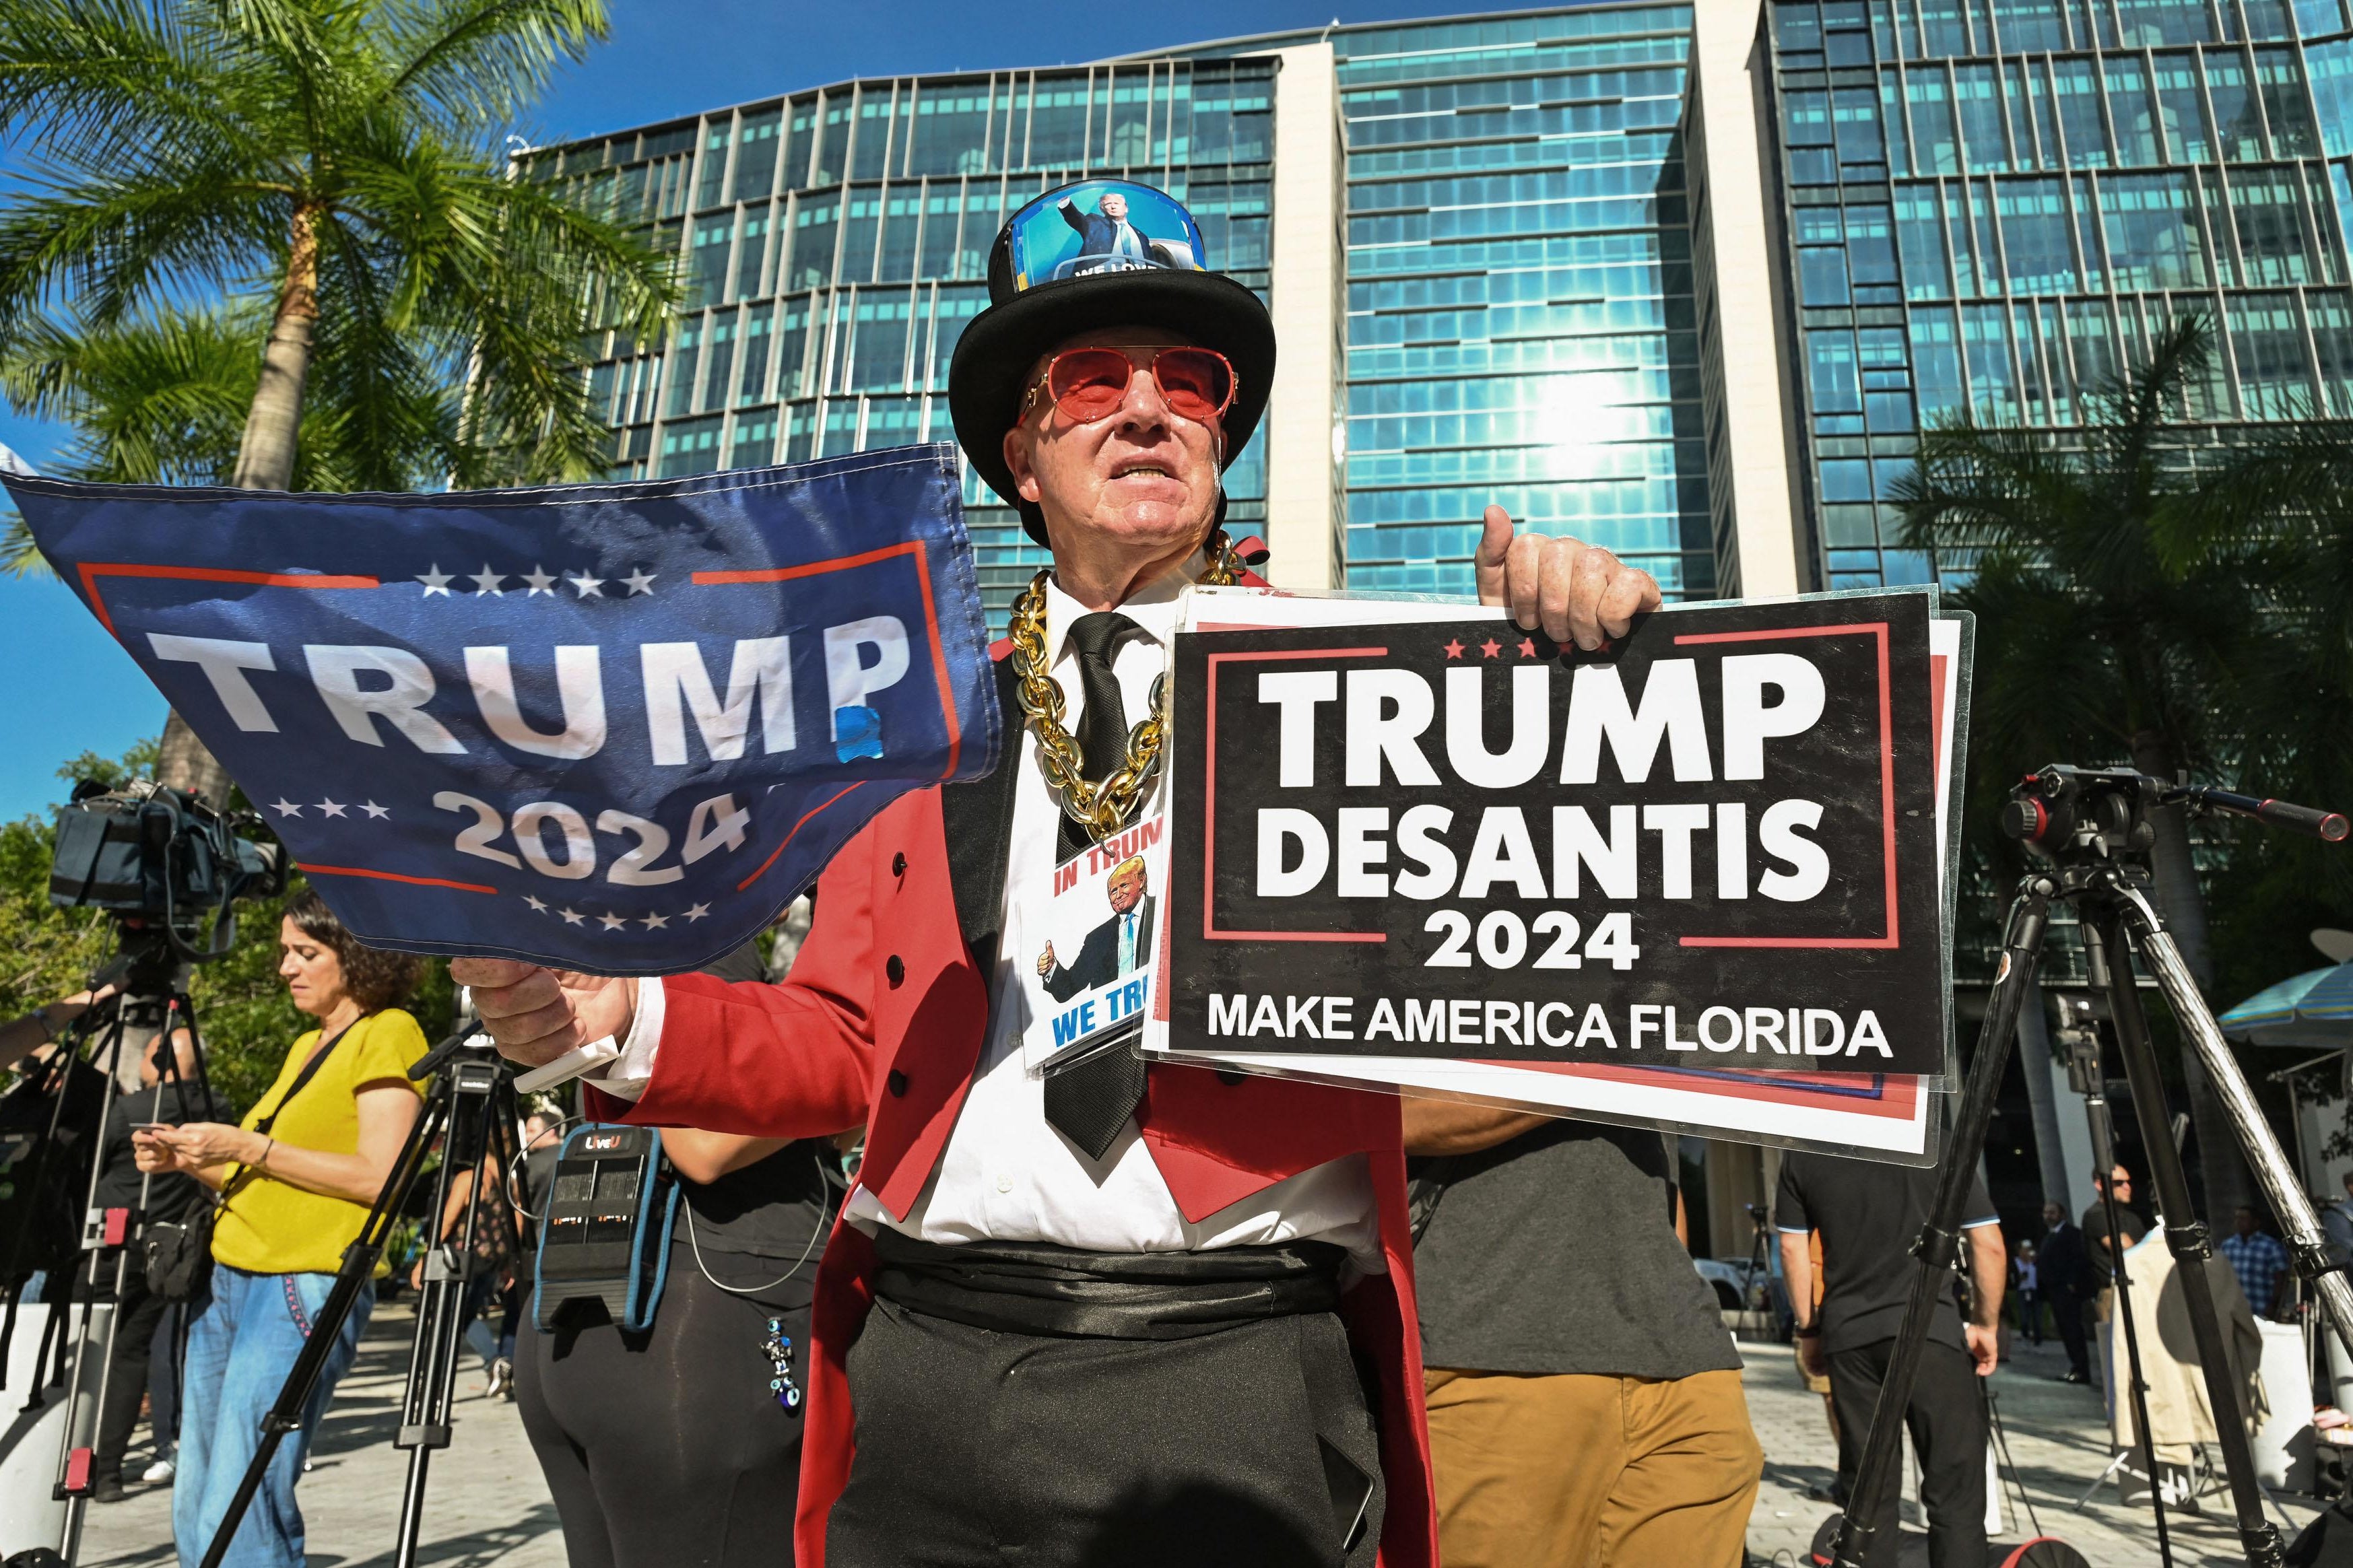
{"x": 1091, "y": 383}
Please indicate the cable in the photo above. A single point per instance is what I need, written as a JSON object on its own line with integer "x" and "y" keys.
{"x": 823, "y": 1224}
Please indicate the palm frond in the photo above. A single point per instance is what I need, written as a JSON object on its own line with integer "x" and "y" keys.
{"x": 475, "y": 64}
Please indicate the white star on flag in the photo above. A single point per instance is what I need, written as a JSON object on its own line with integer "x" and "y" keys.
{"x": 375, "y": 811}
{"x": 330, "y": 808}
{"x": 487, "y": 581}
{"x": 540, "y": 581}
{"x": 587, "y": 586}
{"x": 286, "y": 807}
{"x": 640, "y": 580}
{"x": 697, "y": 912}
{"x": 656, "y": 923}
{"x": 611, "y": 922}
{"x": 537, "y": 907}
{"x": 570, "y": 919}
{"x": 435, "y": 581}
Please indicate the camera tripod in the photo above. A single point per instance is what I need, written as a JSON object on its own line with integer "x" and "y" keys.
{"x": 150, "y": 995}
{"x": 471, "y": 1110}
{"x": 2092, "y": 829}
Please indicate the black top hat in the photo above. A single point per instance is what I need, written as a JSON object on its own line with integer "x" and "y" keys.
{"x": 1061, "y": 267}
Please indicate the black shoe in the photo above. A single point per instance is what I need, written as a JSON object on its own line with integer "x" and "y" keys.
{"x": 2071, "y": 1375}
{"x": 106, "y": 1488}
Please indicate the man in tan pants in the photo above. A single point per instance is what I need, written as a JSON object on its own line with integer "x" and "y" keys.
{"x": 1585, "y": 1401}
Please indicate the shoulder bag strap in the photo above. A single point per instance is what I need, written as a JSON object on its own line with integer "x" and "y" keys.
{"x": 301, "y": 1081}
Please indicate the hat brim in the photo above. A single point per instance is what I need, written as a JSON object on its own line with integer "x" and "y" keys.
{"x": 991, "y": 367}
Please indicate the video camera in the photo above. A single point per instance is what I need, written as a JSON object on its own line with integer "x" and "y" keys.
{"x": 157, "y": 858}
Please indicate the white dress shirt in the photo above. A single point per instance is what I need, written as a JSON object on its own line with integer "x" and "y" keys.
{"x": 1005, "y": 1174}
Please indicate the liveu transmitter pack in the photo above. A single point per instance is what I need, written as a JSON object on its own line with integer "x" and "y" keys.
{"x": 606, "y": 1235}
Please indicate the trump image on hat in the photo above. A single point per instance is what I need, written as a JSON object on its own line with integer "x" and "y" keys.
{"x": 1081, "y": 258}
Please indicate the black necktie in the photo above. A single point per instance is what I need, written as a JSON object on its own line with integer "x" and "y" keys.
{"x": 1091, "y": 1102}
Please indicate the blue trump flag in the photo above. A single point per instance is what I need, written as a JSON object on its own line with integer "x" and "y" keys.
{"x": 605, "y": 727}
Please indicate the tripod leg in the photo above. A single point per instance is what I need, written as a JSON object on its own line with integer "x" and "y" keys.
{"x": 2185, "y": 1238}
{"x": 483, "y": 1122}
{"x": 1939, "y": 1242}
{"x": 2103, "y": 1158}
{"x": 2306, "y": 1242}
{"x": 74, "y": 1477}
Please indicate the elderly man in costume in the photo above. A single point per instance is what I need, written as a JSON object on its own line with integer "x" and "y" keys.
{"x": 1116, "y": 1314}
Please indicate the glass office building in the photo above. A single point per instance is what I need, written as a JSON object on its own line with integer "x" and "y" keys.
{"x": 834, "y": 243}
{"x": 1991, "y": 204}
{"x": 1683, "y": 281}
{"x": 1503, "y": 242}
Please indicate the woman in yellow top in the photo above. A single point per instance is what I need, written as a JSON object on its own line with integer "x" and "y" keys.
{"x": 296, "y": 1181}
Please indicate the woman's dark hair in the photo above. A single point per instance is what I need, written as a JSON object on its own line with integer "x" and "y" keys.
{"x": 375, "y": 978}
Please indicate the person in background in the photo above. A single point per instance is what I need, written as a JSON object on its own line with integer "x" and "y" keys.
{"x": 2099, "y": 1243}
{"x": 2259, "y": 1260}
{"x": 2064, "y": 1271}
{"x": 296, "y": 1181}
{"x": 22, "y": 1037}
{"x": 1868, "y": 1215}
{"x": 143, "y": 1319}
{"x": 543, "y": 1136}
{"x": 667, "y": 1448}
{"x": 1584, "y": 1399}
{"x": 2027, "y": 1280}
{"x": 2336, "y": 1224}
{"x": 497, "y": 1244}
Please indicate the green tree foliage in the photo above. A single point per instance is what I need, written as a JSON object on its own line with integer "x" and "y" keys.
{"x": 324, "y": 182}
{"x": 2144, "y": 598}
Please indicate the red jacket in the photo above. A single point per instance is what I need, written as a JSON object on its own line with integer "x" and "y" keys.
{"x": 881, "y": 1024}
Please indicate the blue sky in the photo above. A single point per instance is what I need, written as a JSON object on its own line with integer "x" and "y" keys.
{"x": 74, "y": 691}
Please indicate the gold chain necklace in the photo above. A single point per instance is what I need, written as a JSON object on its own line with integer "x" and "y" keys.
{"x": 1100, "y": 808}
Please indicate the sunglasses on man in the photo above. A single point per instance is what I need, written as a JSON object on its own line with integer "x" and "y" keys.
{"x": 1091, "y": 383}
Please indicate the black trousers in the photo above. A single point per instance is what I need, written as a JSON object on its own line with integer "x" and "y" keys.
{"x": 1946, "y": 1419}
{"x": 666, "y": 1450}
{"x": 2068, "y": 1309}
{"x": 1014, "y": 1450}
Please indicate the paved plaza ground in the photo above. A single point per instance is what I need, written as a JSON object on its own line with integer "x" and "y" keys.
{"x": 486, "y": 1507}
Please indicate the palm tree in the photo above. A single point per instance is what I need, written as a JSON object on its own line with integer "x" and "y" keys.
{"x": 331, "y": 170}
{"x": 2116, "y": 589}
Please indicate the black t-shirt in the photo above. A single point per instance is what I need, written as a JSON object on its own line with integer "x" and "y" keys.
{"x": 1555, "y": 1252}
{"x": 2099, "y": 1242}
{"x": 171, "y": 1197}
{"x": 770, "y": 1210}
{"x": 1870, "y": 1214}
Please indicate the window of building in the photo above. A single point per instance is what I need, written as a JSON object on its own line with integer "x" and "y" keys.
{"x": 1935, "y": 140}
{"x": 2268, "y": 220}
{"x": 754, "y": 443}
{"x": 752, "y": 383}
{"x": 719, "y": 360}
{"x": 685, "y": 359}
{"x": 689, "y": 446}
{"x": 2237, "y": 119}
{"x": 2154, "y": 240}
{"x": 2037, "y": 247}
{"x": 2267, "y": 347}
{"x": 1976, "y": 93}
{"x": 1830, "y": 372}
{"x": 815, "y": 226}
{"x": 756, "y": 156}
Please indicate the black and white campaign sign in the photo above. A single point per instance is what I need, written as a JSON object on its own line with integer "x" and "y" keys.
{"x": 1715, "y": 844}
